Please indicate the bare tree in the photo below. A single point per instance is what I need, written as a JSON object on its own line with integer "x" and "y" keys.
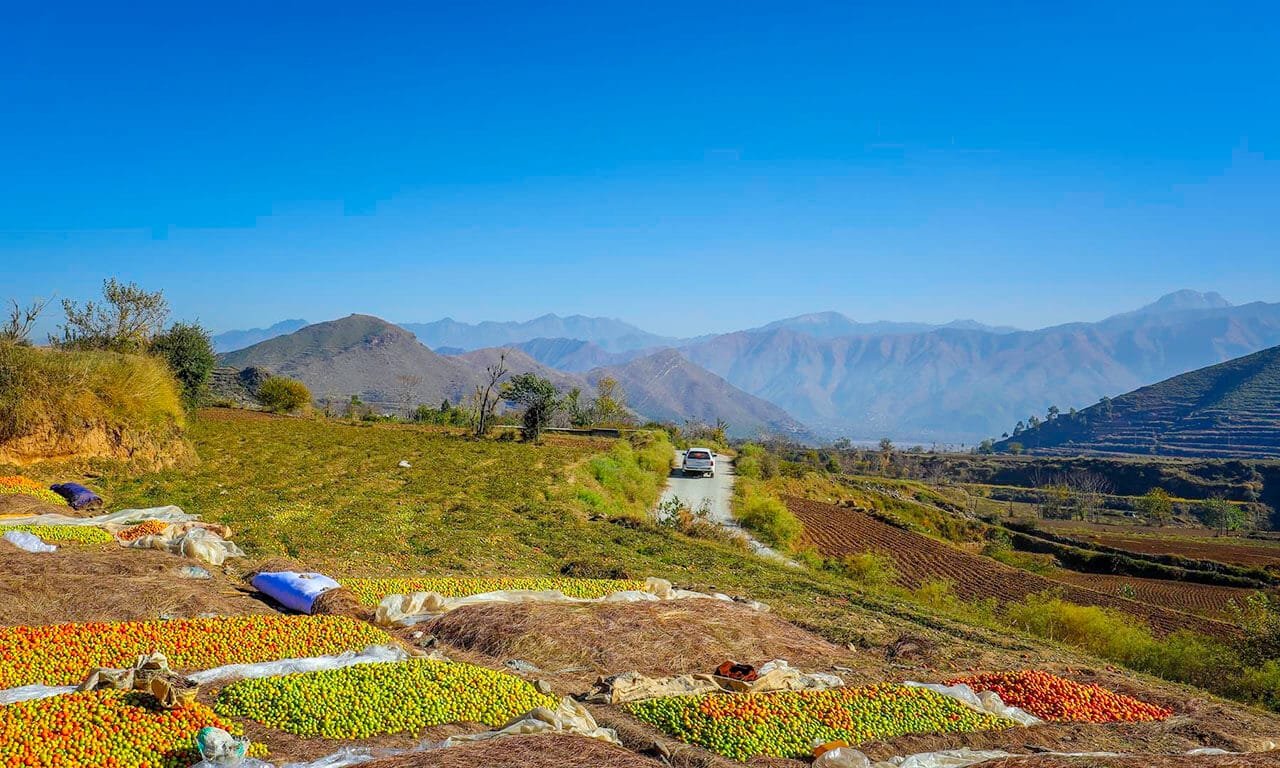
{"x": 1087, "y": 491}
{"x": 408, "y": 385}
{"x": 17, "y": 329}
{"x": 487, "y": 394}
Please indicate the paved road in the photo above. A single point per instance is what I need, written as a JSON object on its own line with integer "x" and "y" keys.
{"x": 715, "y": 494}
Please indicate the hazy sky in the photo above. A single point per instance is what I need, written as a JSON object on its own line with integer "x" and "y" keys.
{"x": 688, "y": 167}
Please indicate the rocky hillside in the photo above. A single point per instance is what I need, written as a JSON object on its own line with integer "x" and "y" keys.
{"x": 1227, "y": 410}
{"x": 360, "y": 355}
{"x": 386, "y": 366}
{"x": 667, "y": 387}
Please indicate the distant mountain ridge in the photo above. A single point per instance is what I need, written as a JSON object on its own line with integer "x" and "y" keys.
{"x": 230, "y": 341}
{"x": 610, "y": 334}
{"x": 912, "y": 382}
{"x": 1231, "y": 409}
{"x": 388, "y": 367}
{"x": 665, "y": 386}
{"x": 831, "y": 325}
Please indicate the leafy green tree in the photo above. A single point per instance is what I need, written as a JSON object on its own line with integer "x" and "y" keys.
{"x": 187, "y": 349}
{"x": 1156, "y": 506}
{"x": 1222, "y": 515}
{"x": 125, "y": 320}
{"x": 986, "y": 446}
{"x": 284, "y": 395}
{"x": 540, "y": 399}
{"x": 609, "y": 406}
{"x": 579, "y": 414}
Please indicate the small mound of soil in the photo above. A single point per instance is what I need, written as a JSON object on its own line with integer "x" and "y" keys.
{"x": 536, "y": 751}
{"x": 111, "y": 583}
{"x": 577, "y": 643}
{"x": 18, "y": 504}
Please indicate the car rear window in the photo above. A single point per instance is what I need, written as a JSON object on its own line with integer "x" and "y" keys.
{"x": 699, "y": 455}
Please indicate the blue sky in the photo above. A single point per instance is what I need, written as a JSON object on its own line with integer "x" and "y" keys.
{"x": 683, "y": 166}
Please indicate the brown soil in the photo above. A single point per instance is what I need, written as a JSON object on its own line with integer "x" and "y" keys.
{"x": 15, "y": 504}
{"x": 112, "y": 583}
{"x": 536, "y": 751}
{"x": 837, "y": 530}
{"x": 577, "y": 643}
{"x": 97, "y": 441}
{"x": 1205, "y": 599}
{"x": 1195, "y": 543}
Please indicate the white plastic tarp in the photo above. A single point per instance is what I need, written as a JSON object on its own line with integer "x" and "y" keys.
{"x": 295, "y": 591}
{"x": 374, "y": 654}
{"x": 168, "y": 514}
{"x": 987, "y": 701}
{"x": 406, "y": 610}
{"x": 28, "y": 542}
{"x": 847, "y": 757}
{"x": 31, "y": 692}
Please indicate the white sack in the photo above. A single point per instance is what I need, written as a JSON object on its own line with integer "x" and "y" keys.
{"x": 568, "y": 717}
{"x": 295, "y": 591}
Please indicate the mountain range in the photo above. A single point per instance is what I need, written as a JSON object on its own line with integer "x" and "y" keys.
{"x": 388, "y": 367}
{"x": 233, "y": 340}
{"x": 957, "y": 382}
{"x": 1231, "y": 409}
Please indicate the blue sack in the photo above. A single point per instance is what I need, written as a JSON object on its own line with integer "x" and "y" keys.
{"x": 77, "y": 495}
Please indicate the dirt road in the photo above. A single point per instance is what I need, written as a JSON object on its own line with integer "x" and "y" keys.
{"x": 715, "y": 495}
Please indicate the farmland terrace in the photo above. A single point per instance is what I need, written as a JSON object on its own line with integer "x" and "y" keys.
{"x": 322, "y": 495}
{"x": 837, "y": 530}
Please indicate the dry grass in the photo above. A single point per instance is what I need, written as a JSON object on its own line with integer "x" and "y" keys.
{"x": 111, "y": 583}
{"x": 577, "y": 643}
{"x": 538, "y": 751}
{"x": 58, "y": 404}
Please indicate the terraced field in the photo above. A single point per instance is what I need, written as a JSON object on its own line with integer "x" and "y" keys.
{"x": 836, "y": 531}
{"x": 1202, "y": 599}
{"x": 1189, "y": 542}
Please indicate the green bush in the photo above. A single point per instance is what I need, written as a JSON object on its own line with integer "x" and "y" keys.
{"x": 283, "y": 395}
{"x": 766, "y": 516}
{"x": 188, "y": 351}
{"x": 630, "y": 476}
{"x": 870, "y": 568}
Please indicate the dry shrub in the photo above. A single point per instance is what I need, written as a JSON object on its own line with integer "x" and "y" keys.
{"x": 64, "y": 404}
{"x": 538, "y": 751}
{"x": 657, "y": 638}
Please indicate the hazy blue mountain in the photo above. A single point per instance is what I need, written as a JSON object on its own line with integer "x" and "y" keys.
{"x": 575, "y": 355}
{"x": 229, "y": 341}
{"x": 961, "y": 386}
{"x": 607, "y": 333}
{"x": 830, "y": 325}
{"x": 665, "y": 386}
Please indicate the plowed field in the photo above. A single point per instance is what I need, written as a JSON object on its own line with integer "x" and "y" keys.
{"x": 1203, "y": 599}
{"x": 837, "y": 531}
{"x": 1183, "y": 542}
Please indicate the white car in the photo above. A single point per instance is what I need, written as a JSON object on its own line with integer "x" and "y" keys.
{"x": 699, "y": 461}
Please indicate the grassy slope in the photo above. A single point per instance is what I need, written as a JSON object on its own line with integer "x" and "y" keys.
{"x": 331, "y": 495}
